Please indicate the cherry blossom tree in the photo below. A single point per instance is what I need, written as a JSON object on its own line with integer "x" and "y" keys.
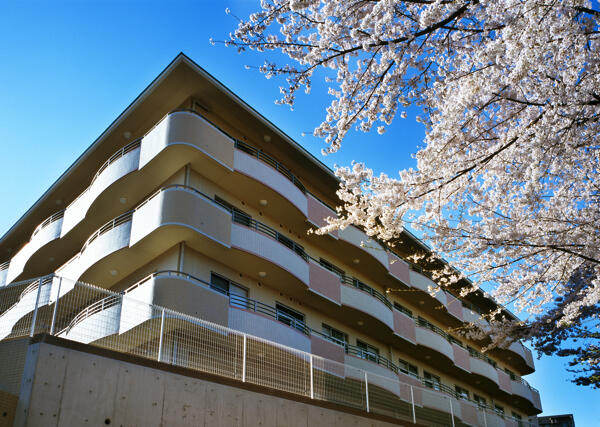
{"x": 506, "y": 185}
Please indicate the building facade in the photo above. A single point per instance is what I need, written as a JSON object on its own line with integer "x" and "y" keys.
{"x": 193, "y": 202}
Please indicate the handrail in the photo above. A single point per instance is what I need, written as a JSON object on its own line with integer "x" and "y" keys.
{"x": 28, "y": 289}
{"x": 96, "y": 307}
{"x": 121, "y": 219}
{"x": 248, "y": 221}
{"x": 353, "y": 281}
{"x": 53, "y": 218}
{"x": 4, "y": 265}
{"x": 275, "y": 164}
{"x": 117, "y": 155}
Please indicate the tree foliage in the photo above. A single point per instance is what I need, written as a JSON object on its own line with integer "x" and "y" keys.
{"x": 506, "y": 185}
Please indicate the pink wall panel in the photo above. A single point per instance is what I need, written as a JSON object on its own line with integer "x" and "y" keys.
{"x": 404, "y": 326}
{"x": 398, "y": 268}
{"x": 326, "y": 349}
{"x": 454, "y": 306}
{"x": 504, "y": 381}
{"x": 317, "y": 212}
{"x": 324, "y": 282}
{"x": 461, "y": 357}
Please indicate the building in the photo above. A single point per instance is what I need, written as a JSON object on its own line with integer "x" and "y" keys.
{"x": 191, "y": 201}
{"x": 564, "y": 420}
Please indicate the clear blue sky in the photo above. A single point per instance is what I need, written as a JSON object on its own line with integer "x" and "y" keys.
{"x": 68, "y": 68}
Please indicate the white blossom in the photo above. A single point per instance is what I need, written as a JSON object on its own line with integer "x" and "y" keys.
{"x": 506, "y": 184}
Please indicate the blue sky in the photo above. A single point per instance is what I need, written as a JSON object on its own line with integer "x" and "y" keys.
{"x": 68, "y": 68}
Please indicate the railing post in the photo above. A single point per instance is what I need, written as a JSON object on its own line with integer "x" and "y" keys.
{"x": 35, "y": 310}
{"x": 55, "y": 307}
{"x": 451, "y": 410}
{"x": 367, "y": 391}
{"x": 412, "y": 401}
{"x": 312, "y": 389}
{"x": 160, "y": 338}
{"x": 244, "y": 361}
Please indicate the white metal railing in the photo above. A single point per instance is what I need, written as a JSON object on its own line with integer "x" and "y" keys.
{"x": 53, "y": 218}
{"x": 170, "y": 337}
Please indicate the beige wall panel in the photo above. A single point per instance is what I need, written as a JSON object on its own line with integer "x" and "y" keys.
{"x": 483, "y": 368}
{"x": 430, "y": 339}
{"x": 268, "y": 328}
{"x": 181, "y": 207}
{"x": 366, "y": 303}
{"x": 116, "y": 170}
{"x": 184, "y": 128}
{"x": 268, "y": 176}
{"x": 265, "y": 247}
{"x": 358, "y": 238}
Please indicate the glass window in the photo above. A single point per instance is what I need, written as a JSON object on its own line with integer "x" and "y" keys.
{"x": 238, "y": 294}
{"x": 219, "y": 283}
{"x": 367, "y": 351}
{"x": 290, "y": 317}
{"x": 461, "y": 393}
{"x": 499, "y": 409}
{"x": 480, "y": 400}
{"x": 432, "y": 381}
{"x": 407, "y": 368}
{"x": 336, "y": 336}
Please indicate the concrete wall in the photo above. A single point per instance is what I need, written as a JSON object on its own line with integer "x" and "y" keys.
{"x": 67, "y": 387}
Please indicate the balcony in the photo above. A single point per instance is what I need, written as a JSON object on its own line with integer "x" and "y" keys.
{"x": 264, "y": 169}
{"x": 44, "y": 233}
{"x": 359, "y": 296}
{"x": 432, "y": 339}
{"x": 264, "y": 242}
{"x": 120, "y": 164}
{"x": 3, "y": 272}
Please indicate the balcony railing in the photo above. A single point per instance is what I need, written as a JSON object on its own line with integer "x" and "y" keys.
{"x": 247, "y": 221}
{"x": 121, "y": 219}
{"x": 48, "y": 221}
{"x": 261, "y": 155}
{"x": 4, "y": 265}
{"x": 126, "y": 149}
{"x": 352, "y": 281}
{"x": 218, "y": 350}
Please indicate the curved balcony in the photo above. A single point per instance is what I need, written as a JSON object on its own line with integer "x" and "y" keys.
{"x": 108, "y": 239}
{"x": 361, "y": 297}
{"x": 3, "y": 273}
{"x": 483, "y": 368}
{"x": 99, "y": 320}
{"x": 262, "y": 168}
{"x": 431, "y": 339}
{"x": 120, "y": 164}
{"x": 521, "y": 388}
{"x": 25, "y": 304}
{"x": 423, "y": 283}
{"x": 44, "y": 233}
{"x": 359, "y": 239}
{"x": 264, "y": 242}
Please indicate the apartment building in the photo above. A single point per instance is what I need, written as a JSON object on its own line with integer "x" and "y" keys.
{"x": 189, "y": 216}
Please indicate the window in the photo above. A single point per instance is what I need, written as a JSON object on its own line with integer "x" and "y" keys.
{"x": 238, "y": 294}
{"x": 516, "y": 416}
{"x": 480, "y": 400}
{"x": 290, "y": 317}
{"x": 407, "y": 368}
{"x": 367, "y": 351}
{"x": 499, "y": 409}
{"x": 403, "y": 309}
{"x": 461, "y": 393}
{"x": 432, "y": 381}
{"x": 335, "y": 335}
{"x": 329, "y": 266}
